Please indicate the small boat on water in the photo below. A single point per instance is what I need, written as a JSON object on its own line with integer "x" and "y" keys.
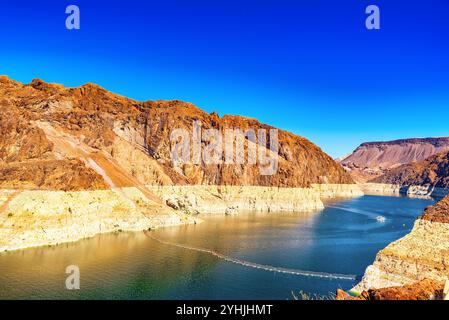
{"x": 381, "y": 219}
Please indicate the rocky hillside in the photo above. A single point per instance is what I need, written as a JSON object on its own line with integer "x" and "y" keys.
{"x": 432, "y": 172}
{"x": 373, "y": 159}
{"x": 438, "y": 212}
{"x": 53, "y": 137}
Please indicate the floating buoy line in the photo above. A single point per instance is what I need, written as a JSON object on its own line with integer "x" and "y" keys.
{"x": 255, "y": 265}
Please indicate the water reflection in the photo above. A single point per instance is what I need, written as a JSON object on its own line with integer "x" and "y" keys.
{"x": 343, "y": 238}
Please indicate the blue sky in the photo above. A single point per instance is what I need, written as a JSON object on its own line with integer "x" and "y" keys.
{"x": 310, "y": 67}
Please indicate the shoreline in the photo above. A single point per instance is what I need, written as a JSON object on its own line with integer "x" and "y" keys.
{"x": 34, "y": 218}
{"x": 396, "y": 190}
{"x": 90, "y": 236}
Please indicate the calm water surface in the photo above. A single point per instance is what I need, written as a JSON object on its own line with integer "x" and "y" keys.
{"x": 343, "y": 238}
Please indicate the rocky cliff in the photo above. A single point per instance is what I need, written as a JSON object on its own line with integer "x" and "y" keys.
{"x": 42, "y": 121}
{"x": 78, "y": 161}
{"x": 373, "y": 159}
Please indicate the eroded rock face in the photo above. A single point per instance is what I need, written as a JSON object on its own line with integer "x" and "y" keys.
{"x": 65, "y": 175}
{"x": 96, "y": 118}
{"x": 438, "y": 212}
{"x": 20, "y": 140}
{"x": 423, "y": 290}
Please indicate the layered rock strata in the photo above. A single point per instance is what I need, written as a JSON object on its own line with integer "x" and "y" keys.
{"x": 233, "y": 199}
{"x": 38, "y": 217}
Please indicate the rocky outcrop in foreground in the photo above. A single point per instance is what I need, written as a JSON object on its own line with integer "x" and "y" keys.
{"x": 423, "y": 290}
{"x": 422, "y": 254}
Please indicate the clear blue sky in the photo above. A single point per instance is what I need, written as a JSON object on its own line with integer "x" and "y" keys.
{"x": 310, "y": 67}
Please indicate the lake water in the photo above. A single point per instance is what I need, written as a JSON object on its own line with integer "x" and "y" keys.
{"x": 343, "y": 238}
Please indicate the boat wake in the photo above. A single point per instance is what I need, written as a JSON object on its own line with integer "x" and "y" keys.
{"x": 379, "y": 218}
{"x": 256, "y": 265}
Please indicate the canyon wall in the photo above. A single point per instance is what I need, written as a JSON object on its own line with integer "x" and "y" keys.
{"x": 75, "y": 162}
{"x": 43, "y": 121}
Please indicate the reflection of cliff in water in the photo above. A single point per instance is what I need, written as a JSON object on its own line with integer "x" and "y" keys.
{"x": 103, "y": 261}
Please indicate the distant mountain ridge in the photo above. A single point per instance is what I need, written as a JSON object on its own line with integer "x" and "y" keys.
{"x": 437, "y": 142}
{"x": 433, "y": 172}
{"x": 373, "y": 159}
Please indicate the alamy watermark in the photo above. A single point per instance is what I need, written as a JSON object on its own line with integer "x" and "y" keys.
{"x": 73, "y": 21}
{"x": 229, "y": 146}
{"x": 373, "y": 20}
{"x": 72, "y": 282}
